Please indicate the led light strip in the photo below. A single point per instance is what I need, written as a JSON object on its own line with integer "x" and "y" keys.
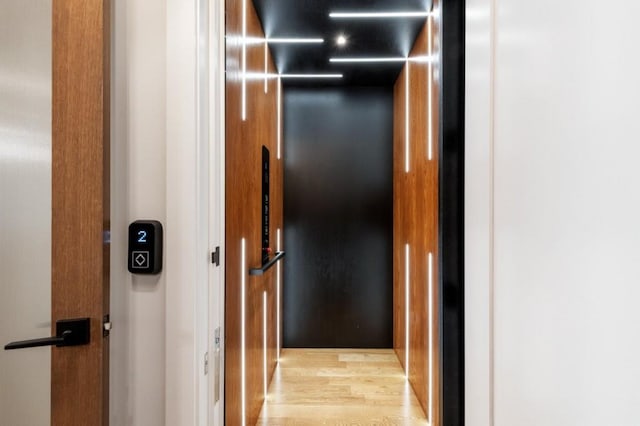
{"x": 290, "y": 40}
{"x": 310, "y": 75}
{"x": 430, "y": 91}
{"x": 279, "y": 125}
{"x": 244, "y": 60}
{"x": 278, "y": 299}
{"x": 243, "y": 348}
{"x": 406, "y": 309}
{"x": 379, "y": 15}
{"x": 264, "y": 341}
{"x": 266, "y": 67}
{"x": 249, "y": 40}
{"x": 421, "y": 59}
{"x": 368, "y": 60}
{"x": 430, "y": 305}
{"x": 407, "y": 133}
{"x": 255, "y": 76}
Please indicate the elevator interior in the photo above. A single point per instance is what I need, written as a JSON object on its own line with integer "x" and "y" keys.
{"x": 342, "y": 99}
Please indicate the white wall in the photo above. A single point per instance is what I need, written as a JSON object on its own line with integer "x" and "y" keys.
{"x": 138, "y": 191}
{"x": 478, "y": 207}
{"x": 552, "y": 278}
{"x": 25, "y": 209}
{"x": 164, "y": 158}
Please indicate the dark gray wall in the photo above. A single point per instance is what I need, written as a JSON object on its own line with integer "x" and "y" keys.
{"x": 338, "y": 206}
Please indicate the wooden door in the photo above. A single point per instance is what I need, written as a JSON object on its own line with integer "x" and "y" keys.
{"x": 77, "y": 150}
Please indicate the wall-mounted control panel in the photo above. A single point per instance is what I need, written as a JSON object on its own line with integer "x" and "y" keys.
{"x": 145, "y": 247}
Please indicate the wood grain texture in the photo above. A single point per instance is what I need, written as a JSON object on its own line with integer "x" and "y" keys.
{"x": 80, "y": 206}
{"x": 400, "y": 222}
{"x": 244, "y": 141}
{"x": 338, "y": 387}
{"x": 416, "y": 224}
{"x": 432, "y": 242}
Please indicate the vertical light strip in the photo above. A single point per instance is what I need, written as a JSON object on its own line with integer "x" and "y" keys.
{"x": 243, "y": 320}
{"x": 406, "y": 309}
{"x": 406, "y": 119}
{"x": 266, "y": 67}
{"x": 430, "y": 89}
{"x": 244, "y": 60}
{"x": 279, "y": 116}
{"x": 278, "y": 298}
{"x": 264, "y": 341}
{"x": 430, "y": 322}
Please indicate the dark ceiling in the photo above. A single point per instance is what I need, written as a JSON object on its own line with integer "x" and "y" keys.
{"x": 390, "y": 37}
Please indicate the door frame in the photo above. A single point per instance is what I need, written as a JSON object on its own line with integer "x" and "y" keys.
{"x": 451, "y": 202}
{"x": 217, "y": 196}
{"x": 195, "y": 211}
{"x": 451, "y": 215}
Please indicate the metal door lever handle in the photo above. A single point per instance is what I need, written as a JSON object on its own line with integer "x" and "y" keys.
{"x": 34, "y": 343}
{"x": 72, "y": 332}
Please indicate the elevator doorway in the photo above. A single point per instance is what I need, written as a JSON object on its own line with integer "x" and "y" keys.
{"x": 264, "y": 54}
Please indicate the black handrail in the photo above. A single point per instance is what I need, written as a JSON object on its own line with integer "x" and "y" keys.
{"x": 259, "y": 271}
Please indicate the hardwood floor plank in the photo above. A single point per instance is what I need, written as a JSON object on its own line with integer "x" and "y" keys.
{"x": 340, "y": 387}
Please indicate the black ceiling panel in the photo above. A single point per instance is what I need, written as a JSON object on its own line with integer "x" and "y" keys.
{"x": 366, "y": 38}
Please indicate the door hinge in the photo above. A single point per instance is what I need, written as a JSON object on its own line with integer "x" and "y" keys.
{"x": 106, "y": 326}
{"x": 215, "y": 257}
{"x": 206, "y": 363}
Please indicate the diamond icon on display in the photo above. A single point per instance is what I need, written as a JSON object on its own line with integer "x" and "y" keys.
{"x": 140, "y": 259}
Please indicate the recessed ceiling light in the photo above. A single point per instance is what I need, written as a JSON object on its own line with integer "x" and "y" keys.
{"x": 341, "y": 40}
{"x": 379, "y": 15}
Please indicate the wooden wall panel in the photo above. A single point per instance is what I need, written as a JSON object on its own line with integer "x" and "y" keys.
{"x": 416, "y": 222}
{"x": 244, "y": 141}
{"x": 433, "y": 199}
{"x": 399, "y": 222}
{"x": 423, "y": 212}
{"x": 277, "y": 218}
{"x": 80, "y": 207}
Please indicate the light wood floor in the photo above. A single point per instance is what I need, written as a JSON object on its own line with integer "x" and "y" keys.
{"x": 340, "y": 387}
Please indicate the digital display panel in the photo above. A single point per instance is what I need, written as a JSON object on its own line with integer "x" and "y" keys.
{"x": 145, "y": 247}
